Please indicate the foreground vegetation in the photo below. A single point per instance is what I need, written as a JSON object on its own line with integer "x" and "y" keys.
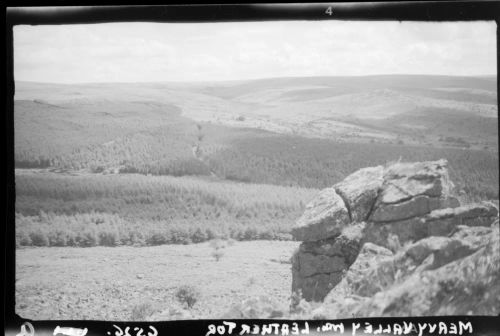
{"x": 110, "y": 210}
{"x": 127, "y": 283}
{"x": 251, "y": 280}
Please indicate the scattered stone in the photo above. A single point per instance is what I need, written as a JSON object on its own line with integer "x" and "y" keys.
{"x": 469, "y": 284}
{"x": 477, "y": 214}
{"x": 443, "y": 249}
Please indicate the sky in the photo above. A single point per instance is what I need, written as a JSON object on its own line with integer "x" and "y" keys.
{"x": 162, "y": 52}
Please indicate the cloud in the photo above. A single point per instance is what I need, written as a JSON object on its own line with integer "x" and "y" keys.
{"x": 118, "y": 52}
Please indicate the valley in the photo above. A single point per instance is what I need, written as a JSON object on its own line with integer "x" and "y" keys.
{"x": 152, "y": 186}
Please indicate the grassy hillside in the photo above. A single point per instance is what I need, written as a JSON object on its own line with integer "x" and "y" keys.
{"x": 255, "y": 156}
{"x": 367, "y": 108}
{"x": 87, "y": 210}
{"x": 317, "y": 163}
{"x": 353, "y": 84}
{"x": 288, "y": 133}
{"x": 83, "y": 135}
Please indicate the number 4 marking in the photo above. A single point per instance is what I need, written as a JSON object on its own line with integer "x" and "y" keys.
{"x": 329, "y": 11}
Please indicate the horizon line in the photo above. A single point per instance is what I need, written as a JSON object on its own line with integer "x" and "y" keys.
{"x": 256, "y": 79}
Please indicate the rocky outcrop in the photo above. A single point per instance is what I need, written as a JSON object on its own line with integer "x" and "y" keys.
{"x": 377, "y": 268}
{"x": 476, "y": 236}
{"x": 443, "y": 221}
{"x": 324, "y": 217}
{"x": 359, "y": 191}
{"x": 318, "y": 266}
{"x": 355, "y": 280}
{"x": 384, "y": 223}
{"x": 434, "y": 277}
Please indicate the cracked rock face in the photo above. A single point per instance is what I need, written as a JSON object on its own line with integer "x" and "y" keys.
{"x": 460, "y": 270}
{"x": 319, "y": 265}
{"x": 324, "y": 217}
{"x": 477, "y": 214}
{"x": 359, "y": 191}
{"x": 352, "y": 282}
{"x": 391, "y": 206}
{"x": 412, "y": 190}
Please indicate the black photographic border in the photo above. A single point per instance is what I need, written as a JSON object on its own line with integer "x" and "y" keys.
{"x": 82, "y": 13}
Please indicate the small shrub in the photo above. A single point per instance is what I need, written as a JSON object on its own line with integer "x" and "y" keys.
{"x": 71, "y": 239}
{"x": 393, "y": 242}
{"x": 136, "y": 239}
{"x": 218, "y": 246}
{"x": 211, "y": 234}
{"x": 179, "y": 236}
{"x": 302, "y": 309}
{"x": 57, "y": 238}
{"x": 297, "y": 303}
{"x": 97, "y": 169}
{"x": 217, "y": 254}
{"x": 252, "y": 281}
{"x": 266, "y": 235}
{"x": 141, "y": 311}
{"x": 250, "y": 234}
{"x": 283, "y": 236}
{"x": 39, "y": 238}
{"x": 174, "y": 313}
{"x": 108, "y": 238}
{"x": 23, "y": 239}
{"x": 262, "y": 307}
{"x": 199, "y": 236}
{"x": 157, "y": 238}
{"x": 87, "y": 239}
{"x": 187, "y": 295}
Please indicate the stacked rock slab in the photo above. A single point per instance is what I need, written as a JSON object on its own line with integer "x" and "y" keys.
{"x": 331, "y": 229}
{"x": 410, "y": 192}
{"x": 387, "y": 206}
{"x": 319, "y": 265}
{"x": 457, "y": 274}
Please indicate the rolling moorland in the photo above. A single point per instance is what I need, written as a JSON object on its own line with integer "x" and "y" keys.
{"x": 301, "y": 134}
{"x": 169, "y": 163}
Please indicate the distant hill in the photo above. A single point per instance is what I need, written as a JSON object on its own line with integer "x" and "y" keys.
{"x": 288, "y": 131}
{"x": 384, "y": 107}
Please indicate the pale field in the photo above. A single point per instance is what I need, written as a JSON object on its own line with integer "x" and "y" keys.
{"x": 105, "y": 283}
